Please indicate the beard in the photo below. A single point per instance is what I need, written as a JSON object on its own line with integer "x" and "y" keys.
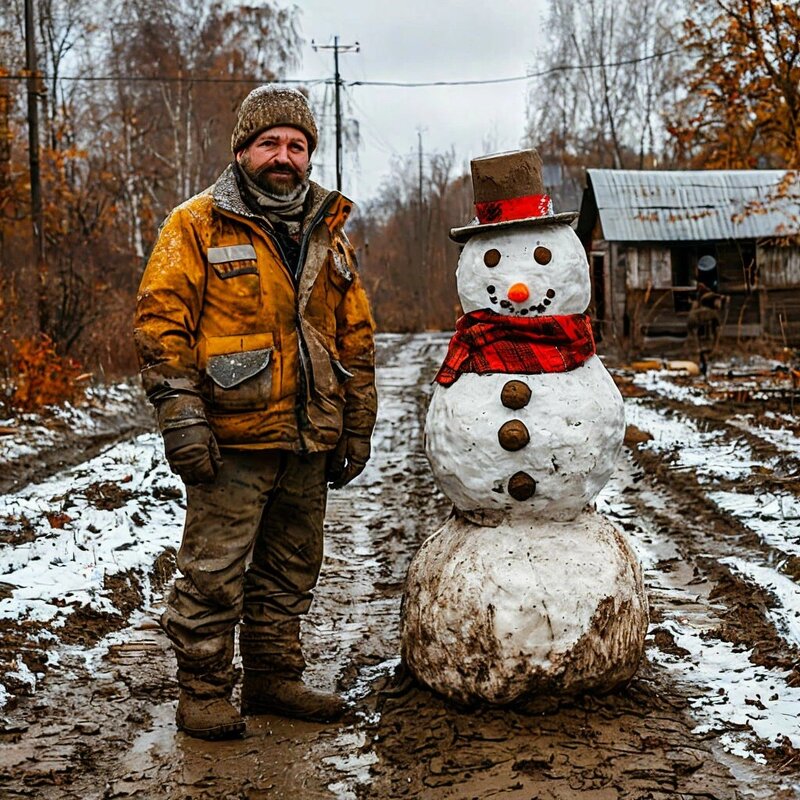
{"x": 278, "y": 180}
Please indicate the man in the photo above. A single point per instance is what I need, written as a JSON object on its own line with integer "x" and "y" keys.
{"x": 255, "y": 342}
{"x": 703, "y": 323}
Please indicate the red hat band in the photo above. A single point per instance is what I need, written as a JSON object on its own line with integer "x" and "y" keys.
{"x": 526, "y": 207}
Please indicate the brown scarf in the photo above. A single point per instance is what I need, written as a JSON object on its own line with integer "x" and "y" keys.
{"x": 286, "y": 210}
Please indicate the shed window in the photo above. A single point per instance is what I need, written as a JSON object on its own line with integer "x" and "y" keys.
{"x": 736, "y": 266}
{"x": 733, "y": 270}
{"x": 684, "y": 270}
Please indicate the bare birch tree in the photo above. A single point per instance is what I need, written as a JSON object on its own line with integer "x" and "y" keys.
{"x": 609, "y": 70}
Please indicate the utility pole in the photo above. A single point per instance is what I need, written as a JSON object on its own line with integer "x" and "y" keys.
{"x": 5, "y": 155}
{"x": 337, "y": 79}
{"x": 419, "y": 149}
{"x": 5, "y": 131}
{"x": 421, "y": 234}
{"x": 37, "y": 216}
{"x": 422, "y": 227}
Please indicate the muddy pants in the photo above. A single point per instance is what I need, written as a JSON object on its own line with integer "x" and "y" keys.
{"x": 251, "y": 552}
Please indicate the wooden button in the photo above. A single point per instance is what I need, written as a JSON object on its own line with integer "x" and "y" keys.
{"x": 515, "y": 394}
{"x": 521, "y": 486}
{"x": 513, "y": 435}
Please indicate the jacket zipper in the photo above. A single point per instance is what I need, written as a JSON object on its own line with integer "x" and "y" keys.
{"x": 300, "y": 408}
{"x": 301, "y": 411}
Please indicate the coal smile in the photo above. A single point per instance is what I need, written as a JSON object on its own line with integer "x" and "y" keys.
{"x": 539, "y": 308}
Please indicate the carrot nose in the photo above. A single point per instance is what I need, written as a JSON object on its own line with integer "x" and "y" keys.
{"x": 518, "y": 293}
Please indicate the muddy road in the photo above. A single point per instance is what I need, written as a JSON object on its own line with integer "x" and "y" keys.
{"x": 707, "y": 491}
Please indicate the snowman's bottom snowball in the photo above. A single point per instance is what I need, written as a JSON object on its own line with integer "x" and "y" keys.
{"x": 526, "y": 609}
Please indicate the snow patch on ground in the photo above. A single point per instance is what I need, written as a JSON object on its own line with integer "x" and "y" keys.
{"x": 775, "y": 517}
{"x": 784, "y": 439}
{"x": 33, "y": 433}
{"x": 740, "y": 699}
{"x": 659, "y": 382}
{"x": 786, "y": 614}
{"x": 65, "y": 567}
{"x": 22, "y": 676}
{"x": 736, "y": 700}
{"x": 706, "y": 452}
{"x": 356, "y": 763}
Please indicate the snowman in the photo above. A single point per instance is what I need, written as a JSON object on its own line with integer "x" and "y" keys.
{"x": 526, "y": 592}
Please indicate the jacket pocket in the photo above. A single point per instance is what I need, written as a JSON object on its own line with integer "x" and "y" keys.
{"x": 325, "y": 380}
{"x": 238, "y": 371}
{"x": 233, "y": 260}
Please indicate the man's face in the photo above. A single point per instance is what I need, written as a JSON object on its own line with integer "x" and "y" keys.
{"x": 277, "y": 159}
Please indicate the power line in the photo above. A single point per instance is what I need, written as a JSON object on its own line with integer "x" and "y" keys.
{"x": 316, "y": 81}
{"x": 383, "y": 143}
{"x": 168, "y": 79}
{"x": 528, "y": 76}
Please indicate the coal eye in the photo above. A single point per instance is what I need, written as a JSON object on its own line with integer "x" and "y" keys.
{"x": 542, "y": 255}
{"x": 491, "y": 258}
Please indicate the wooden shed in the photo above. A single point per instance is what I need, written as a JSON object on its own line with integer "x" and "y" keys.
{"x": 649, "y": 235}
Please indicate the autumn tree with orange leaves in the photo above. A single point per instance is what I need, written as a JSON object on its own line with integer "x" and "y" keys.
{"x": 742, "y": 109}
{"x": 136, "y": 105}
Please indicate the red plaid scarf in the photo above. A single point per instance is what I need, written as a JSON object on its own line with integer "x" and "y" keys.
{"x": 486, "y": 342}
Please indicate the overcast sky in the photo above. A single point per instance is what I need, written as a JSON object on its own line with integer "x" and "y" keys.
{"x": 423, "y": 40}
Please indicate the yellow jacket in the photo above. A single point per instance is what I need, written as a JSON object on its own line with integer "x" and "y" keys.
{"x": 225, "y": 332}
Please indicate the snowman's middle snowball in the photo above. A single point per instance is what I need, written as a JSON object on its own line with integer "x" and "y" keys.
{"x": 574, "y": 423}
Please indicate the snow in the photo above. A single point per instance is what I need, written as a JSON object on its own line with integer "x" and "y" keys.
{"x": 707, "y": 452}
{"x": 356, "y": 763}
{"x": 734, "y": 690}
{"x": 775, "y": 517}
{"x": 757, "y": 379}
{"x": 23, "y": 676}
{"x": 782, "y": 438}
{"x": 34, "y": 433}
{"x": 730, "y": 688}
{"x": 609, "y": 503}
{"x": 659, "y": 382}
{"x": 721, "y": 675}
{"x": 488, "y": 608}
{"x": 70, "y": 564}
{"x": 786, "y": 614}
{"x": 502, "y": 613}
{"x": 573, "y": 420}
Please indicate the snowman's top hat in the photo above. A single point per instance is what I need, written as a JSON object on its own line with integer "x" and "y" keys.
{"x": 509, "y": 191}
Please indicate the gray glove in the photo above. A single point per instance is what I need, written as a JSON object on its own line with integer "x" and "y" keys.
{"x": 348, "y": 459}
{"x": 192, "y": 453}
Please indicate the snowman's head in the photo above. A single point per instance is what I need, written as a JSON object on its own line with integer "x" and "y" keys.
{"x": 525, "y": 271}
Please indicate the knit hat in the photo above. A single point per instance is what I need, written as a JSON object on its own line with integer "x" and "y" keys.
{"x": 271, "y": 105}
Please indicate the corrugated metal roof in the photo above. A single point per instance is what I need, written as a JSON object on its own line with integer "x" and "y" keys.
{"x": 692, "y": 206}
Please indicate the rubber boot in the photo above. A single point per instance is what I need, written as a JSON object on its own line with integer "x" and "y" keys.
{"x": 208, "y": 717}
{"x": 288, "y": 696}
